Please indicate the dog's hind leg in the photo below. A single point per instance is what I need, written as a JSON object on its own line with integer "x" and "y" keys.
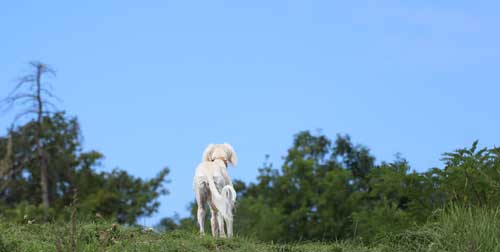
{"x": 201, "y": 218}
{"x": 200, "y": 200}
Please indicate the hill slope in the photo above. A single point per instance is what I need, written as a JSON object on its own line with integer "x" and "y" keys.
{"x": 458, "y": 229}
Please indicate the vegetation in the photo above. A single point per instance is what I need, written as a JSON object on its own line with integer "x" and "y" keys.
{"x": 454, "y": 229}
{"x": 42, "y": 164}
{"x": 114, "y": 194}
{"x": 329, "y": 191}
{"x": 335, "y": 191}
{"x": 35, "y": 94}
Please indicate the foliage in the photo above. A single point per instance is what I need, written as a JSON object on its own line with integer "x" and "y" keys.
{"x": 324, "y": 190}
{"x": 114, "y": 194}
{"x": 456, "y": 229}
{"x": 472, "y": 176}
{"x": 105, "y": 236}
{"x": 331, "y": 190}
{"x": 453, "y": 229}
{"x": 35, "y": 96}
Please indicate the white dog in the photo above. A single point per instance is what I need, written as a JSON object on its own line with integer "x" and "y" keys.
{"x": 213, "y": 187}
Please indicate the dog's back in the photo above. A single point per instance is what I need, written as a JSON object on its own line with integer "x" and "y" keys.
{"x": 213, "y": 169}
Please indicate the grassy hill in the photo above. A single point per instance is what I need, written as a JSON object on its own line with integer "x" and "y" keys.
{"x": 458, "y": 229}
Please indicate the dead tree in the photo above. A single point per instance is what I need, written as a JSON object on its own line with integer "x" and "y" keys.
{"x": 34, "y": 96}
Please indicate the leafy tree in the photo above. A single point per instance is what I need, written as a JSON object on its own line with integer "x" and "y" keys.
{"x": 329, "y": 190}
{"x": 114, "y": 194}
{"x": 34, "y": 95}
{"x": 312, "y": 196}
{"x": 117, "y": 194}
{"x": 6, "y": 165}
{"x": 471, "y": 176}
{"x": 355, "y": 158}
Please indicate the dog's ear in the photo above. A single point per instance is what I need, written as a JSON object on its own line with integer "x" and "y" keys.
{"x": 233, "y": 159}
{"x": 207, "y": 154}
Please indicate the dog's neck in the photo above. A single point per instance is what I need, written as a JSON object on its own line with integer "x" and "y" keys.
{"x": 222, "y": 159}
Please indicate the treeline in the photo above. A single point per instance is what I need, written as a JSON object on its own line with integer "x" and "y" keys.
{"x": 43, "y": 168}
{"x": 331, "y": 190}
{"x": 325, "y": 190}
{"x": 115, "y": 195}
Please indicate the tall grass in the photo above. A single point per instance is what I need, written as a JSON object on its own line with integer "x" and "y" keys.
{"x": 468, "y": 229}
{"x": 453, "y": 229}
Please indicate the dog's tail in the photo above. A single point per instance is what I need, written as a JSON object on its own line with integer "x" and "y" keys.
{"x": 229, "y": 192}
{"x": 224, "y": 201}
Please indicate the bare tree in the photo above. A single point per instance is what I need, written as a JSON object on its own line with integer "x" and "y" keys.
{"x": 34, "y": 96}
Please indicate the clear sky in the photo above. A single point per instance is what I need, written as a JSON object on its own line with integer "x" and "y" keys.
{"x": 154, "y": 82}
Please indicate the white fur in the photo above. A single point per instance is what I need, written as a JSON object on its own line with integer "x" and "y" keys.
{"x": 214, "y": 151}
{"x": 211, "y": 177}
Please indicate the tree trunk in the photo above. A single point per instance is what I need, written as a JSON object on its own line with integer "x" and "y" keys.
{"x": 44, "y": 180}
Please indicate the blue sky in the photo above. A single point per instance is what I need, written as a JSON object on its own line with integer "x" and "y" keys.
{"x": 153, "y": 82}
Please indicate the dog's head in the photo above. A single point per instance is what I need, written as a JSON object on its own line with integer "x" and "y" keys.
{"x": 224, "y": 151}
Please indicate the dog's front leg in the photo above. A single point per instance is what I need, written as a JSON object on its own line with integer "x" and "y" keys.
{"x": 229, "y": 226}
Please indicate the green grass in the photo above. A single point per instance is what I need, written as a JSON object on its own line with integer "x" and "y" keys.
{"x": 106, "y": 237}
{"x": 456, "y": 229}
